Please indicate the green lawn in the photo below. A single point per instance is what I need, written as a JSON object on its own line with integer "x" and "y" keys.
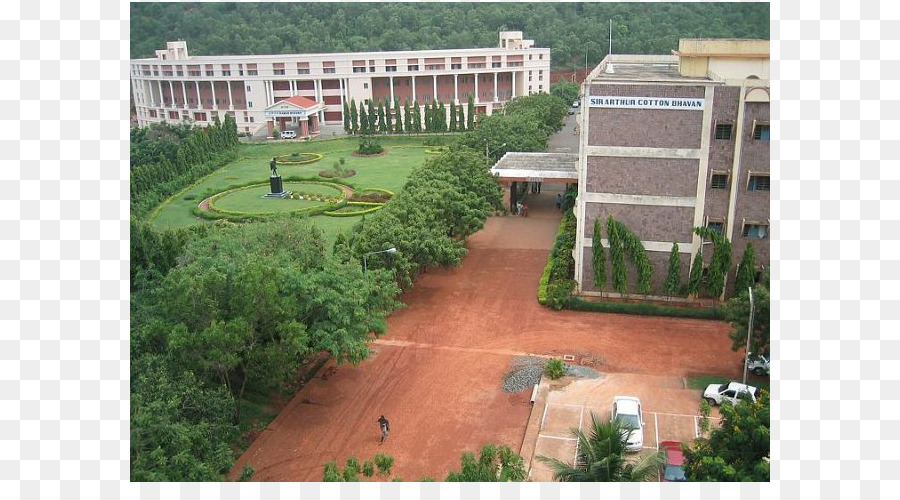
{"x": 387, "y": 172}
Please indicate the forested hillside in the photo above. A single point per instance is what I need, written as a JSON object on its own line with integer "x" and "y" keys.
{"x": 571, "y": 29}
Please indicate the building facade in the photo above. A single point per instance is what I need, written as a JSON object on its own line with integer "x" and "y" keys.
{"x": 175, "y": 86}
{"x": 669, "y": 143}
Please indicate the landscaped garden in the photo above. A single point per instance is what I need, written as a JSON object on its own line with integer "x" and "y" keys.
{"x": 236, "y": 191}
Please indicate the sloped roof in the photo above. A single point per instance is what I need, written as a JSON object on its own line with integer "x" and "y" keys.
{"x": 544, "y": 165}
{"x": 299, "y": 100}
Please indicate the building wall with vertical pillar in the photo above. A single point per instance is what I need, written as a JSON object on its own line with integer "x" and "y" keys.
{"x": 663, "y": 152}
{"x": 270, "y": 78}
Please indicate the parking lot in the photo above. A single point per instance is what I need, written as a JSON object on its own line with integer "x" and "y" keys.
{"x": 670, "y": 414}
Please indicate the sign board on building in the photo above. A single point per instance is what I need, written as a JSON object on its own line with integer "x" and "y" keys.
{"x": 285, "y": 110}
{"x": 679, "y": 103}
{"x": 535, "y": 179}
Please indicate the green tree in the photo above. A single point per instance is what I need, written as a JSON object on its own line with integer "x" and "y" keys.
{"x": 354, "y": 117}
{"x": 347, "y": 127}
{"x": 493, "y": 464}
{"x": 738, "y": 450}
{"x": 364, "y": 122}
{"x": 417, "y": 117}
{"x": 452, "y": 117}
{"x": 673, "y": 278}
{"x": 518, "y": 132}
{"x": 546, "y": 110}
{"x": 180, "y": 429}
{"x": 746, "y": 272}
{"x": 737, "y": 312}
{"x": 470, "y": 113}
{"x": 720, "y": 262}
{"x": 429, "y": 120}
{"x": 398, "y": 117}
{"x": 565, "y": 90}
{"x": 388, "y": 117}
{"x": 407, "y": 117}
{"x": 373, "y": 117}
{"x": 696, "y": 276}
{"x": 460, "y": 118}
{"x": 382, "y": 121}
{"x": 598, "y": 256}
{"x": 616, "y": 255}
{"x": 441, "y": 117}
{"x": 601, "y": 457}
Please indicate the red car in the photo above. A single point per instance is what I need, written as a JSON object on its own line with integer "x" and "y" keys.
{"x": 672, "y": 468}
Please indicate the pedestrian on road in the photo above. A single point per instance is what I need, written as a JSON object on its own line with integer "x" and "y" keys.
{"x": 385, "y": 427}
{"x": 524, "y": 210}
{"x": 558, "y": 201}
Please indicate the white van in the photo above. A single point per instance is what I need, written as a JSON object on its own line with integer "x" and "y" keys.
{"x": 289, "y": 134}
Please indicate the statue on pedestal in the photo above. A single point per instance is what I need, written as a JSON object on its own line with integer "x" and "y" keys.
{"x": 273, "y": 165}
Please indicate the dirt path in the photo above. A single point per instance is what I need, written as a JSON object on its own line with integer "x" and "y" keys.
{"x": 437, "y": 373}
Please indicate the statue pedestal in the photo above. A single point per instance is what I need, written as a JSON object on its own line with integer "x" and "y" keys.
{"x": 277, "y": 187}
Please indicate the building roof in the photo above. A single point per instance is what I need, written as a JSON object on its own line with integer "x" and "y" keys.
{"x": 299, "y": 100}
{"x": 539, "y": 165}
{"x": 642, "y": 68}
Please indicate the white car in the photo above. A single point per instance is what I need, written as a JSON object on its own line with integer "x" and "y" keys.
{"x": 289, "y": 134}
{"x": 627, "y": 411}
{"x": 731, "y": 392}
{"x": 758, "y": 364}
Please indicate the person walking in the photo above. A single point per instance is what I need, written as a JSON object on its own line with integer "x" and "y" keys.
{"x": 385, "y": 427}
{"x": 558, "y": 201}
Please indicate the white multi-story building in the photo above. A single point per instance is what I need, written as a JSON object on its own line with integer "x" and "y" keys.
{"x": 176, "y": 86}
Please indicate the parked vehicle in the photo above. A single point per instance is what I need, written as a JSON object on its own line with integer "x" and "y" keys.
{"x": 289, "y": 134}
{"x": 758, "y": 364}
{"x": 673, "y": 465}
{"x": 731, "y": 392}
{"x": 627, "y": 411}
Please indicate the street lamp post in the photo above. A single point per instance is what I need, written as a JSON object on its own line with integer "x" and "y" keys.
{"x": 365, "y": 256}
{"x": 487, "y": 151}
{"x": 749, "y": 329}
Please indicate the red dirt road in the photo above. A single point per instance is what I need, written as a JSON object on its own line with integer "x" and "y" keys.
{"x": 437, "y": 373}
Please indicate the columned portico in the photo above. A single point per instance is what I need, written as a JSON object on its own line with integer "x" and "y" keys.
{"x": 297, "y": 112}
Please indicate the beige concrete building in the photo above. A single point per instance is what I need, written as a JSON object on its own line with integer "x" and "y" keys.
{"x": 176, "y": 86}
{"x": 672, "y": 142}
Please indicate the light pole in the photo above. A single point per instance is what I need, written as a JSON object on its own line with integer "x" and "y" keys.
{"x": 487, "y": 151}
{"x": 749, "y": 329}
{"x": 365, "y": 256}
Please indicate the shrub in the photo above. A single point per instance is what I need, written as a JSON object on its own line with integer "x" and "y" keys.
{"x": 384, "y": 463}
{"x": 189, "y": 197}
{"x": 369, "y": 146}
{"x": 555, "y": 368}
{"x": 368, "y": 468}
{"x": 246, "y": 473}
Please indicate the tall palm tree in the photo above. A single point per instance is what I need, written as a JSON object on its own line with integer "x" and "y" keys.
{"x": 601, "y": 457}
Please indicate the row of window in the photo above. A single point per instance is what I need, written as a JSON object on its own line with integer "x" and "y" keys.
{"x": 750, "y": 229}
{"x": 755, "y": 182}
{"x": 724, "y": 131}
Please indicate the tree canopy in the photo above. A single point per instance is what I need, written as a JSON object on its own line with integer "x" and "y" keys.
{"x": 736, "y": 451}
{"x": 573, "y": 30}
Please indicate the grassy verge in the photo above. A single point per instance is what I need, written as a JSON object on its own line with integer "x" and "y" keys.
{"x": 645, "y": 309}
{"x": 700, "y": 382}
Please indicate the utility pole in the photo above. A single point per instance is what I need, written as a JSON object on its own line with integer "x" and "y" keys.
{"x": 749, "y": 329}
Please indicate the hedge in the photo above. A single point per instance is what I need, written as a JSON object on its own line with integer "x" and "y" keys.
{"x": 645, "y": 309}
{"x": 285, "y": 159}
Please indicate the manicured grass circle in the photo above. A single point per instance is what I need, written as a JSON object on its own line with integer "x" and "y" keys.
{"x": 251, "y": 200}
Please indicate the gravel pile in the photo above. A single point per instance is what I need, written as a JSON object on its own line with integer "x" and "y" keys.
{"x": 578, "y": 371}
{"x": 523, "y": 374}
